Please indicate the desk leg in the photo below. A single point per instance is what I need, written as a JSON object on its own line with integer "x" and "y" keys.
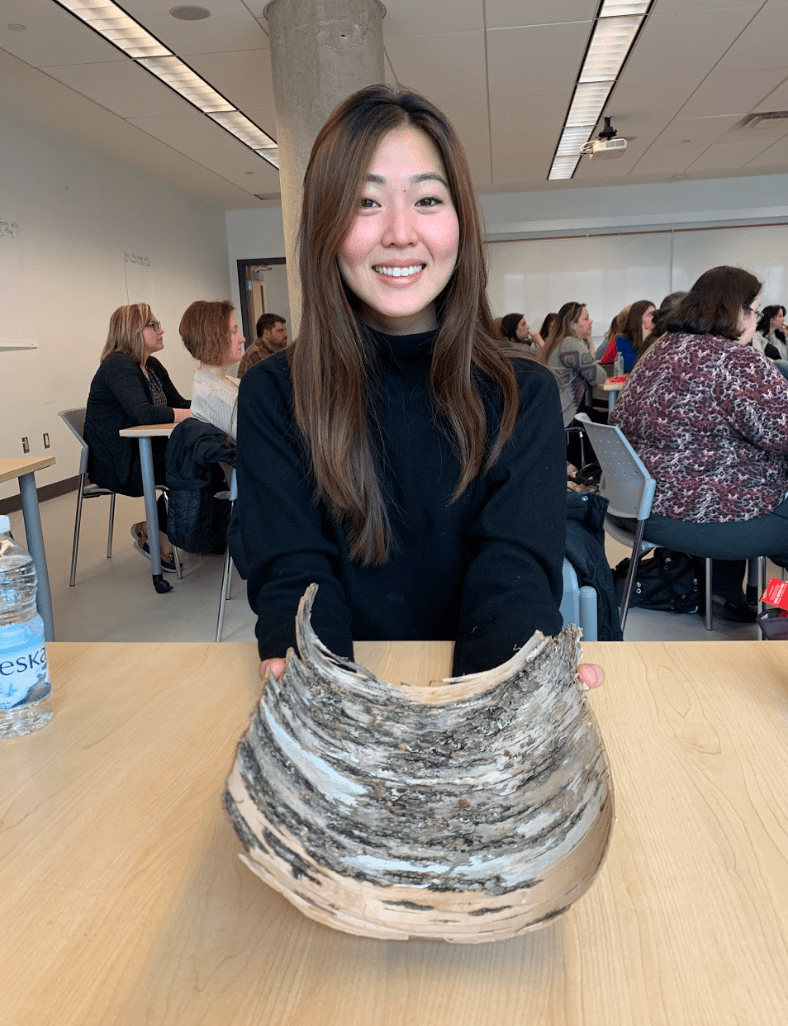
{"x": 35, "y": 545}
{"x": 612, "y": 395}
{"x": 151, "y": 516}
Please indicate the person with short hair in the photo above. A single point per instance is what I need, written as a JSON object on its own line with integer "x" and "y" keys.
{"x": 210, "y": 332}
{"x": 132, "y": 387}
{"x": 708, "y": 416}
{"x": 271, "y": 338}
{"x": 395, "y": 454}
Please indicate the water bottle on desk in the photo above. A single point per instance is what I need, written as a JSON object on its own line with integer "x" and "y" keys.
{"x": 25, "y": 691}
{"x": 618, "y": 365}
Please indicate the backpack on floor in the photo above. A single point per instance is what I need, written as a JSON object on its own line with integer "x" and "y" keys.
{"x": 665, "y": 580}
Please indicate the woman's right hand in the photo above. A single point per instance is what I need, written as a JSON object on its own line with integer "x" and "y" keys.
{"x": 276, "y": 667}
{"x": 180, "y": 415}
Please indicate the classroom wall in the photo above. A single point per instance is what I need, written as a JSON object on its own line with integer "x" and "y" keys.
{"x": 607, "y": 245}
{"x": 80, "y": 213}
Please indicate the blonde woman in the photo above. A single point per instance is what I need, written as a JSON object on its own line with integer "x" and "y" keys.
{"x": 132, "y": 387}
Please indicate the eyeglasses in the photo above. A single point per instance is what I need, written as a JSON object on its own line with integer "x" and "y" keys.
{"x": 156, "y": 325}
{"x": 749, "y": 309}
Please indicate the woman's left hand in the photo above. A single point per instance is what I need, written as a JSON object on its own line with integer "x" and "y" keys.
{"x": 590, "y": 675}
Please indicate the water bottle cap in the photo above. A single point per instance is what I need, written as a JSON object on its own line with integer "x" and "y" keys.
{"x": 5, "y": 524}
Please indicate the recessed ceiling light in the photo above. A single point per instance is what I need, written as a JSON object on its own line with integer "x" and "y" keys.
{"x": 189, "y": 13}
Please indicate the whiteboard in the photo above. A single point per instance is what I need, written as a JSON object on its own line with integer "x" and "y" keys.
{"x": 608, "y": 272}
{"x": 17, "y": 326}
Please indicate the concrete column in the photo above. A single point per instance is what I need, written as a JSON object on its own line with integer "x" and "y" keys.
{"x": 321, "y": 52}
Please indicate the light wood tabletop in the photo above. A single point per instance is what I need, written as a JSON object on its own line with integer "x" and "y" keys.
{"x": 147, "y": 431}
{"x": 123, "y": 901}
{"x": 15, "y": 466}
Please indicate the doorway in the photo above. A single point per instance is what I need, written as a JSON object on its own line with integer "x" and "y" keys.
{"x": 262, "y": 286}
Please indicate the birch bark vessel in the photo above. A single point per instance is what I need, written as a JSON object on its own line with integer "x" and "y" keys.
{"x": 469, "y": 810}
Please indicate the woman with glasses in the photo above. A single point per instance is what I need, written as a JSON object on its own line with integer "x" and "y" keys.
{"x": 709, "y": 418}
{"x": 132, "y": 387}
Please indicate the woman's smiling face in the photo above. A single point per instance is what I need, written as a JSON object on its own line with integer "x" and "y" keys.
{"x": 401, "y": 249}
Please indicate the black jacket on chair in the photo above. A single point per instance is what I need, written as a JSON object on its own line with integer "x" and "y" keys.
{"x": 585, "y": 550}
{"x": 197, "y": 519}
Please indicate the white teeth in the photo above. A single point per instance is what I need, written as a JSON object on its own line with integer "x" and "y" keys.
{"x": 399, "y": 272}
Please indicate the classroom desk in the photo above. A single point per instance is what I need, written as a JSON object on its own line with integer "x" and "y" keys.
{"x": 123, "y": 901}
{"x": 143, "y": 433}
{"x": 24, "y": 468}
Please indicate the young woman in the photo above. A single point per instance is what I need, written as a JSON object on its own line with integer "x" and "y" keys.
{"x": 515, "y": 328}
{"x": 394, "y": 454}
{"x": 632, "y": 329}
{"x": 769, "y": 337}
{"x": 569, "y": 353}
{"x": 210, "y": 332}
{"x": 709, "y": 418}
{"x": 132, "y": 387}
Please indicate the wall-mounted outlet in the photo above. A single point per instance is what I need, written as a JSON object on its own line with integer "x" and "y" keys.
{"x": 25, "y": 445}
{"x": 46, "y": 439}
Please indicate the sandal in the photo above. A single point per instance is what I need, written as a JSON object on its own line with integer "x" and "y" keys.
{"x": 167, "y": 561}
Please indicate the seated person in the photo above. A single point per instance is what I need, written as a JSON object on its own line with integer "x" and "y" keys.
{"x": 271, "y": 337}
{"x": 514, "y": 328}
{"x": 709, "y": 418}
{"x": 131, "y": 387}
{"x": 769, "y": 337}
{"x": 569, "y": 353}
{"x": 634, "y": 328}
{"x": 394, "y": 454}
{"x": 210, "y": 332}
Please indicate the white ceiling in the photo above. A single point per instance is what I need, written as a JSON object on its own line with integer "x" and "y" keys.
{"x": 503, "y": 70}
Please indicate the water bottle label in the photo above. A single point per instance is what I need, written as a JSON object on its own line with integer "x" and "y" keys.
{"x": 23, "y": 660}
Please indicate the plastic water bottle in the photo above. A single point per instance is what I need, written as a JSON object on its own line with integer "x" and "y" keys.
{"x": 25, "y": 691}
{"x": 618, "y": 365}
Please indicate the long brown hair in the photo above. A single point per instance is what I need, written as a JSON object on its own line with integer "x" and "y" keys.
{"x": 561, "y": 328}
{"x": 632, "y": 325}
{"x": 126, "y": 326}
{"x": 330, "y": 362}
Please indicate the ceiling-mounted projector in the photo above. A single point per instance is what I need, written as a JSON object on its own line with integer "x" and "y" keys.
{"x": 607, "y": 144}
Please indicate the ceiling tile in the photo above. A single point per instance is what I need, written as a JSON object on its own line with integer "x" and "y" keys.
{"x": 731, "y": 92}
{"x": 510, "y": 13}
{"x": 727, "y": 156}
{"x": 537, "y": 56}
{"x": 406, "y": 18}
{"x": 231, "y": 26}
{"x": 125, "y": 88}
{"x": 244, "y": 77}
{"x": 51, "y": 36}
{"x": 755, "y": 47}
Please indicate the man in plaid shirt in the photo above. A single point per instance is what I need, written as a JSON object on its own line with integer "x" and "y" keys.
{"x": 271, "y": 337}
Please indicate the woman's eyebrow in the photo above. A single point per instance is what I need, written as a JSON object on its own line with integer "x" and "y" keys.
{"x": 426, "y": 176}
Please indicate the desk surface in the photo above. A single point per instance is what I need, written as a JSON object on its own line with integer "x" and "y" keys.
{"x": 123, "y": 902}
{"x": 15, "y": 466}
{"x": 148, "y": 431}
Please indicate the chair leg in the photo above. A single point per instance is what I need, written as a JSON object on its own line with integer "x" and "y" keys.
{"x": 77, "y": 525}
{"x": 111, "y": 525}
{"x": 631, "y": 573}
{"x": 709, "y": 614}
{"x": 226, "y": 574}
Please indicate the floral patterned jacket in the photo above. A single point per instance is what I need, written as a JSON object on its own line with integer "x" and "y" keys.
{"x": 709, "y": 418}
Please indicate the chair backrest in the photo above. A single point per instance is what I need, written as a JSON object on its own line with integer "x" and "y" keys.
{"x": 625, "y": 482}
{"x": 75, "y": 422}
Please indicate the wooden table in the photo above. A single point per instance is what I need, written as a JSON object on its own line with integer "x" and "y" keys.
{"x": 123, "y": 902}
{"x": 24, "y": 468}
{"x": 144, "y": 433}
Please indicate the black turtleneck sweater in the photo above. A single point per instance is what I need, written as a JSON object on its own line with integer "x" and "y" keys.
{"x": 484, "y": 571}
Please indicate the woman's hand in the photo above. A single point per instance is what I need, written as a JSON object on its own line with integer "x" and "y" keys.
{"x": 276, "y": 667}
{"x": 590, "y": 675}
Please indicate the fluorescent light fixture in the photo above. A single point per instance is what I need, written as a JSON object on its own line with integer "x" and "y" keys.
{"x": 588, "y": 103}
{"x": 610, "y": 45}
{"x": 115, "y": 25}
{"x": 271, "y": 155}
{"x": 244, "y": 129}
{"x": 563, "y": 167}
{"x": 614, "y": 32}
{"x": 183, "y": 80}
{"x": 615, "y": 8}
{"x": 112, "y": 22}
